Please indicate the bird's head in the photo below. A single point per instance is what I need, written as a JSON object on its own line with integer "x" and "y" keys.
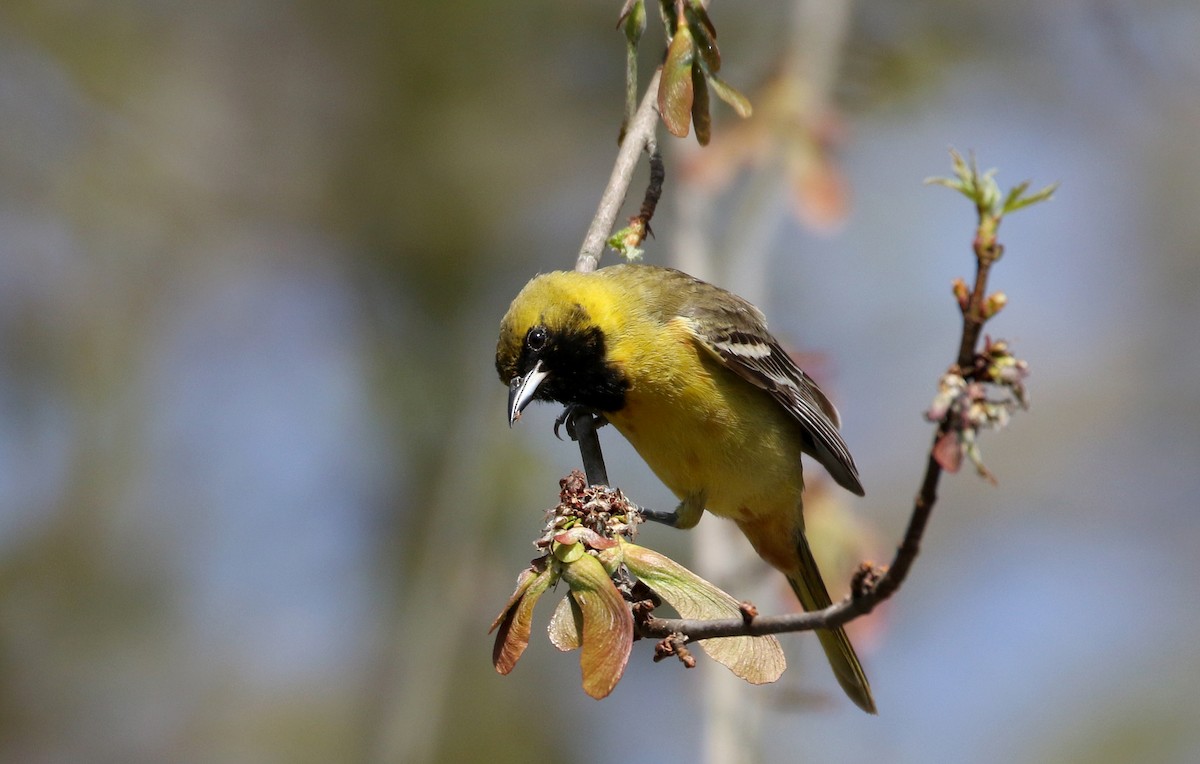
{"x": 554, "y": 345}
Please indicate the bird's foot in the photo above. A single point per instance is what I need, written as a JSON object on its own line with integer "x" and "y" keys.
{"x": 659, "y": 516}
{"x": 568, "y": 415}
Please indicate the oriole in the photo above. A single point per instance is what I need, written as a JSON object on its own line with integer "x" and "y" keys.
{"x": 688, "y": 373}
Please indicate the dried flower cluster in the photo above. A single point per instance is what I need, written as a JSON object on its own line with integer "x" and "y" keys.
{"x": 966, "y": 403}
{"x": 587, "y": 545}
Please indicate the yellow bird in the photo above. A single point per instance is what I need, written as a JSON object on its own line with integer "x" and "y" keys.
{"x": 688, "y": 373}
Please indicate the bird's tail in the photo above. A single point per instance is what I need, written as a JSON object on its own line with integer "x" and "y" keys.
{"x": 810, "y": 588}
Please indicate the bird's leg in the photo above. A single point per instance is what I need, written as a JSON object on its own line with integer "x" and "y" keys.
{"x": 660, "y": 516}
{"x": 684, "y": 516}
{"x": 581, "y": 423}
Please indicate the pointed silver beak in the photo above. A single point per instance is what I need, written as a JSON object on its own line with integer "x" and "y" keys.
{"x": 521, "y": 391}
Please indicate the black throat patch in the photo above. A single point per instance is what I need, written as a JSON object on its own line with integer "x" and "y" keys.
{"x": 579, "y": 372}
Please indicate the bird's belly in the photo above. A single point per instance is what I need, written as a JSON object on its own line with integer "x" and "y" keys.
{"x": 743, "y": 459}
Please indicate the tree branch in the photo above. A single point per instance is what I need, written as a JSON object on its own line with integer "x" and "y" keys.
{"x": 869, "y": 586}
{"x": 640, "y": 136}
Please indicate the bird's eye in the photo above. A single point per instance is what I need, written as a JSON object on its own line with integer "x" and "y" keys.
{"x": 536, "y": 338}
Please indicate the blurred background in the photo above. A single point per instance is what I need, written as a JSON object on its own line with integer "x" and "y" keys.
{"x": 258, "y": 502}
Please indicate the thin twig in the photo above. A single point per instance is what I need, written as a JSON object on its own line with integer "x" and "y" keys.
{"x": 658, "y": 173}
{"x": 639, "y": 137}
{"x": 987, "y": 252}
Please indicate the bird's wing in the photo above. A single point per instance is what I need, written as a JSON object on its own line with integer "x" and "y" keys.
{"x": 735, "y": 332}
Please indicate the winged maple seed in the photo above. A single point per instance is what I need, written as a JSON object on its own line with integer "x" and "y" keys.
{"x": 587, "y": 543}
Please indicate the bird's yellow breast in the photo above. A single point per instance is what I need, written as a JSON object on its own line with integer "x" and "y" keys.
{"x": 706, "y": 432}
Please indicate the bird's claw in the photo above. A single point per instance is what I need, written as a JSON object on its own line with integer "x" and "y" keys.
{"x": 568, "y": 415}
